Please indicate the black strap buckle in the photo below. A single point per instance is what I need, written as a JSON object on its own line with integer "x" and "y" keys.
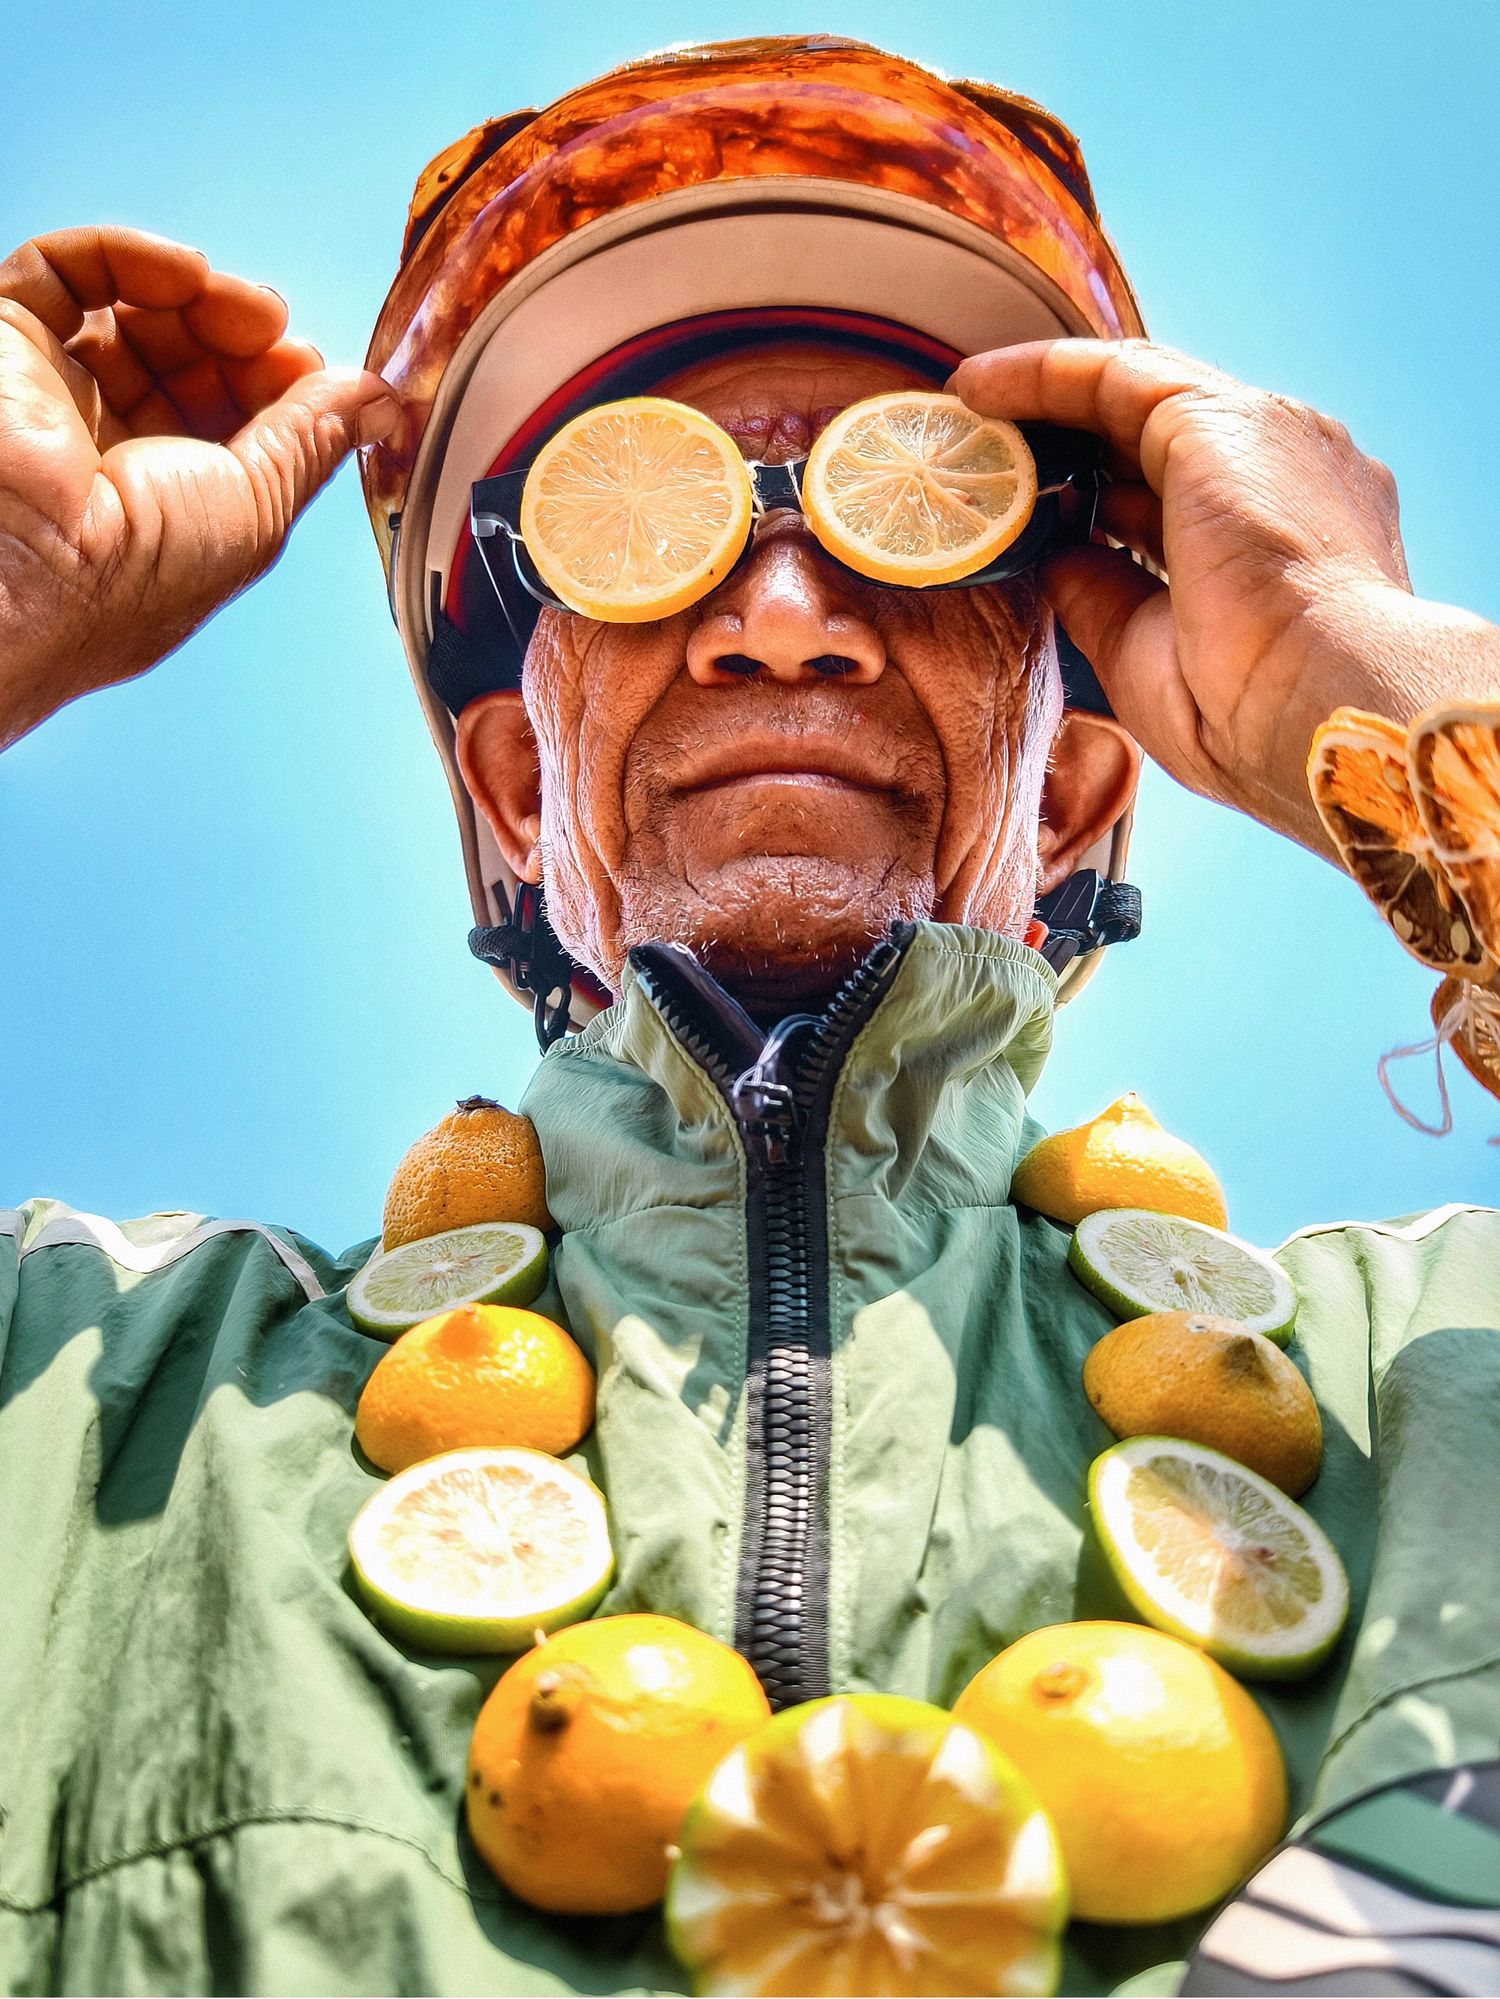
{"x": 1086, "y": 912}
{"x": 526, "y": 948}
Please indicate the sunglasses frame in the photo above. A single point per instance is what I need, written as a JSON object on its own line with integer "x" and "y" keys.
{"x": 1068, "y": 464}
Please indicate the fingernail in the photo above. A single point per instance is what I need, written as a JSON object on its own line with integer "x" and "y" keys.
{"x": 376, "y": 419}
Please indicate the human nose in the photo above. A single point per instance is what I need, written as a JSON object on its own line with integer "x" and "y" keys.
{"x": 784, "y": 615}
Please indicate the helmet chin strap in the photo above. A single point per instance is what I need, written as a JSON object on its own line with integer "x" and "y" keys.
{"x": 1085, "y": 913}
{"x": 525, "y": 947}
{"x": 1082, "y": 914}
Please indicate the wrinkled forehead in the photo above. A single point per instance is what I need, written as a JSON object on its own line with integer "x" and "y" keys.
{"x": 773, "y": 399}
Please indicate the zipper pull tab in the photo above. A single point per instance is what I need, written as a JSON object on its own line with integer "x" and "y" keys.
{"x": 767, "y": 1114}
{"x": 764, "y": 1103}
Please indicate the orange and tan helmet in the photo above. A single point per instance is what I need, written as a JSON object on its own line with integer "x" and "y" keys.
{"x": 701, "y": 196}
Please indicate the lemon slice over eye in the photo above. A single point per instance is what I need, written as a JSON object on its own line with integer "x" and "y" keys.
{"x": 636, "y": 509}
{"x": 914, "y": 488}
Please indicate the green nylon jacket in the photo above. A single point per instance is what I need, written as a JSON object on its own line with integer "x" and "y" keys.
{"x": 840, "y": 1425}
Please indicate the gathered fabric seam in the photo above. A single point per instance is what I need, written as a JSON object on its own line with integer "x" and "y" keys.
{"x": 160, "y": 1849}
{"x": 1468, "y": 1672}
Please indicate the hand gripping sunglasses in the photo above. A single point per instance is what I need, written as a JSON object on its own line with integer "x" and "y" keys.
{"x": 1067, "y": 486}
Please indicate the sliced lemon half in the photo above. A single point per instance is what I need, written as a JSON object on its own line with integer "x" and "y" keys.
{"x": 1211, "y": 1552}
{"x": 636, "y": 509}
{"x": 914, "y": 488}
{"x": 478, "y": 1551}
{"x": 867, "y": 1844}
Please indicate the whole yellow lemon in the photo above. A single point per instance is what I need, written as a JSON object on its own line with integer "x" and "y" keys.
{"x": 1120, "y": 1159}
{"x": 1160, "y": 1774}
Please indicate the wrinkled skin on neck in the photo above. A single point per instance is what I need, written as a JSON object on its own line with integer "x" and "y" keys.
{"x": 702, "y": 780}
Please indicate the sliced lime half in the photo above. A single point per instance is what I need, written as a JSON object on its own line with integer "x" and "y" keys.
{"x": 1138, "y": 1262}
{"x": 1213, "y": 1553}
{"x": 478, "y": 1551}
{"x": 492, "y": 1263}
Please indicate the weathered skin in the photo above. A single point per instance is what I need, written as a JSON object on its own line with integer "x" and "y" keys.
{"x": 721, "y": 779}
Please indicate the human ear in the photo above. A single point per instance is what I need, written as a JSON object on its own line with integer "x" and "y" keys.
{"x": 1091, "y": 778}
{"x": 497, "y": 755}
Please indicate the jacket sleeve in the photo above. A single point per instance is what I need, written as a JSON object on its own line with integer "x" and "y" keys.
{"x": 1422, "y": 1685}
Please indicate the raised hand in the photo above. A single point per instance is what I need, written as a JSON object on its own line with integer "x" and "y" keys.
{"x": 158, "y": 437}
{"x": 1288, "y": 588}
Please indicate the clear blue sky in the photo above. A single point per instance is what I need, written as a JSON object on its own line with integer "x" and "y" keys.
{"x": 233, "y": 974}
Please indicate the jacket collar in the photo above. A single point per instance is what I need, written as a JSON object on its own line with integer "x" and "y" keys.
{"x": 929, "y": 1098}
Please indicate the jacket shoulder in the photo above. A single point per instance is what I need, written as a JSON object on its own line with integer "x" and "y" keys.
{"x": 151, "y": 1243}
{"x": 1411, "y": 1229}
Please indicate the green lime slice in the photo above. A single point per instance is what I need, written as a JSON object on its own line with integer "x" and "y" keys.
{"x": 492, "y": 1263}
{"x": 1136, "y": 1262}
{"x": 1213, "y": 1553}
{"x": 867, "y": 1843}
{"x": 478, "y": 1551}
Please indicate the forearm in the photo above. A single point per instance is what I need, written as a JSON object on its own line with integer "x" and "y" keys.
{"x": 1380, "y": 649}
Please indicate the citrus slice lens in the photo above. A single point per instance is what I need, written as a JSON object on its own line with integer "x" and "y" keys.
{"x": 1213, "y": 1553}
{"x": 1136, "y": 1261}
{"x": 636, "y": 509}
{"x": 867, "y": 1844}
{"x": 477, "y": 1551}
{"x": 913, "y": 488}
{"x": 490, "y": 1263}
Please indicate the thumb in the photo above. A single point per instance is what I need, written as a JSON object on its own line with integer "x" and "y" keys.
{"x": 291, "y": 448}
{"x": 1095, "y": 593}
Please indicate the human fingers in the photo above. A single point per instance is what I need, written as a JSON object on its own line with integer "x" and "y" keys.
{"x": 237, "y": 320}
{"x": 1129, "y": 512}
{"x": 135, "y": 352}
{"x": 189, "y": 399}
{"x": 123, "y": 379}
{"x": 204, "y": 396}
{"x": 291, "y": 448}
{"x": 1095, "y": 593}
{"x": 257, "y": 382}
{"x": 1111, "y": 387}
{"x": 58, "y": 370}
{"x": 216, "y": 396}
{"x": 67, "y": 273}
{"x": 136, "y": 311}
{"x": 232, "y": 316}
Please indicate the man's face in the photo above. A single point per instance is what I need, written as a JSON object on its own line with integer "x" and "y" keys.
{"x": 775, "y": 775}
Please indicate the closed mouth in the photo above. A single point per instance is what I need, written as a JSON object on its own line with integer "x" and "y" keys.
{"x": 805, "y": 761}
{"x": 801, "y": 775}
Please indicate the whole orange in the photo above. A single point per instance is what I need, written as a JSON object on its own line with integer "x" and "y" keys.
{"x": 480, "y": 1374}
{"x": 589, "y": 1751}
{"x": 481, "y": 1163}
{"x": 1211, "y": 1381}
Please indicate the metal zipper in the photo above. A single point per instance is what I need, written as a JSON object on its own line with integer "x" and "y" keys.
{"x": 780, "y": 1102}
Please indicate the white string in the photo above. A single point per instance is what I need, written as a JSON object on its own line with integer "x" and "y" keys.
{"x": 1475, "y": 1011}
